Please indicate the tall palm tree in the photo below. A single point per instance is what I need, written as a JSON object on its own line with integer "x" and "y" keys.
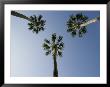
{"x": 77, "y": 25}
{"x": 35, "y": 24}
{"x": 54, "y": 47}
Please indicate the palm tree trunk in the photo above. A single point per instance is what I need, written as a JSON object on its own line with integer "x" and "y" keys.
{"x": 90, "y": 21}
{"x": 55, "y": 72}
{"x": 14, "y": 13}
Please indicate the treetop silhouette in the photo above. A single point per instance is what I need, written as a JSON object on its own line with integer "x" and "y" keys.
{"x": 77, "y": 24}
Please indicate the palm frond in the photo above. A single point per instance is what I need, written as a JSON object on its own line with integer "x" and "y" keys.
{"x": 60, "y": 48}
{"x": 84, "y": 18}
{"x": 47, "y": 41}
{"x": 73, "y": 18}
{"x": 46, "y": 46}
{"x": 60, "y": 53}
{"x": 79, "y": 16}
{"x": 60, "y": 38}
{"x": 82, "y": 31}
{"x": 40, "y": 17}
{"x": 69, "y": 30}
{"x": 30, "y": 26}
{"x": 42, "y": 28}
{"x": 73, "y": 33}
{"x": 48, "y": 52}
{"x": 53, "y": 37}
{"x": 42, "y": 22}
{"x": 36, "y": 30}
{"x": 61, "y": 45}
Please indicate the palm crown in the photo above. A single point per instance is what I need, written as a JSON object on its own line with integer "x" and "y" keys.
{"x": 55, "y": 46}
{"x": 74, "y": 23}
{"x": 35, "y": 24}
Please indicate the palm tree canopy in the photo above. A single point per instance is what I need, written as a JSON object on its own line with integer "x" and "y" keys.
{"x": 54, "y": 44}
{"x": 77, "y": 24}
{"x": 35, "y": 24}
{"x": 74, "y": 23}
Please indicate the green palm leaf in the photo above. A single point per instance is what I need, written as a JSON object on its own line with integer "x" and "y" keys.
{"x": 59, "y": 53}
{"x": 53, "y": 37}
{"x": 47, "y": 41}
{"x": 48, "y": 52}
{"x": 46, "y": 46}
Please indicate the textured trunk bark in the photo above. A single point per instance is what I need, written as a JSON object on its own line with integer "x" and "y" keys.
{"x": 14, "y": 13}
{"x": 55, "y": 72}
{"x": 89, "y": 22}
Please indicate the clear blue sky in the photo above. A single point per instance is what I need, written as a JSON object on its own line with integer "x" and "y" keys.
{"x": 81, "y": 56}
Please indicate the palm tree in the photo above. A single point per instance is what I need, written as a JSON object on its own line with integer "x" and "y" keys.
{"x": 77, "y": 25}
{"x": 54, "y": 47}
{"x": 35, "y": 24}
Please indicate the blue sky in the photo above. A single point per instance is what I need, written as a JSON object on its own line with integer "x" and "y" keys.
{"x": 81, "y": 56}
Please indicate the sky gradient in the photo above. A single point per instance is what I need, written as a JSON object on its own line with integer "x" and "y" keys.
{"x": 81, "y": 56}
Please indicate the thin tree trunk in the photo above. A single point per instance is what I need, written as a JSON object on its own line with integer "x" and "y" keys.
{"x": 89, "y": 22}
{"x": 14, "y": 13}
{"x": 55, "y": 72}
